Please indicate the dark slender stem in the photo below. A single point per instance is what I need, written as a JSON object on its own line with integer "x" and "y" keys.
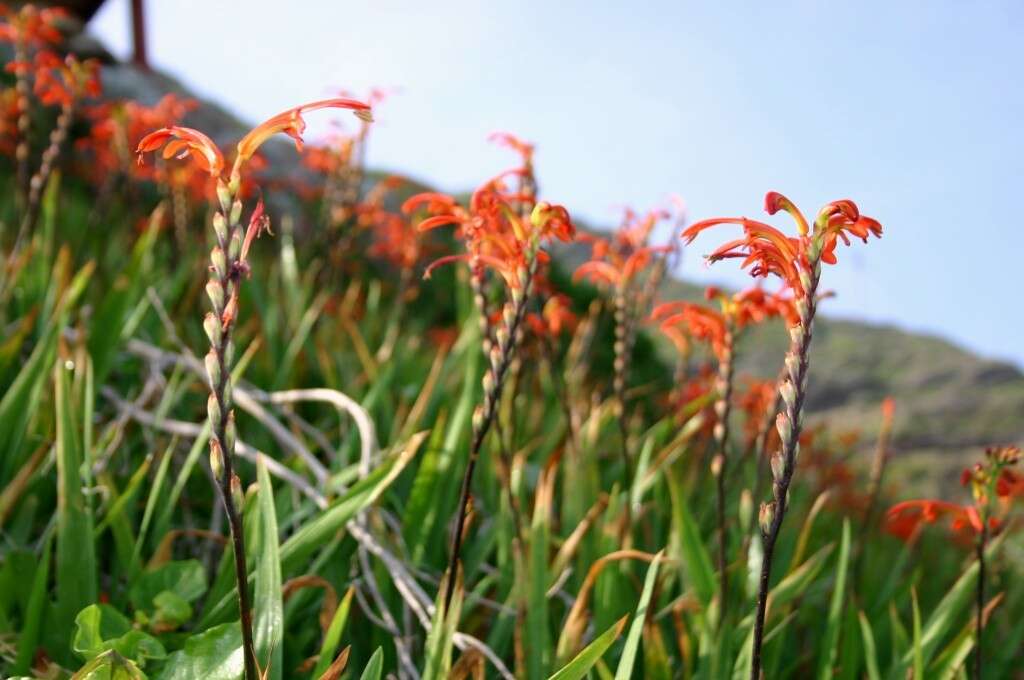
{"x": 980, "y": 601}
{"x": 619, "y": 382}
{"x": 793, "y": 391}
{"x": 37, "y": 183}
{"x": 720, "y": 461}
{"x": 500, "y": 358}
{"x": 226, "y": 274}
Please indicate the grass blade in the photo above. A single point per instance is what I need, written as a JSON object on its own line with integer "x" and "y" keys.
{"x": 268, "y": 627}
{"x": 591, "y": 654}
{"x": 628, "y": 658}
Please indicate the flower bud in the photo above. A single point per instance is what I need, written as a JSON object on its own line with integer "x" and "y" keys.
{"x": 220, "y": 227}
{"x": 766, "y": 516}
{"x": 488, "y": 382}
{"x": 219, "y": 262}
{"x": 213, "y": 411}
{"x": 235, "y": 246}
{"x": 212, "y": 368}
{"x": 226, "y": 395}
{"x": 236, "y": 211}
{"x": 211, "y": 324}
{"x": 478, "y": 418}
{"x": 778, "y": 465}
{"x": 229, "y": 354}
{"x": 216, "y": 459}
{"x": 788, "y": 393}
{"x": 236, "y": 492}
{"x": 230, "y": 434}
{"x": 215, "y": 292}
{"x": 223, "y": 195}
{"x": 719, "y": 431}
{"x": 717, "y": 462}
{"x": 501, "y": 335}
{"x": 783, "y": 426}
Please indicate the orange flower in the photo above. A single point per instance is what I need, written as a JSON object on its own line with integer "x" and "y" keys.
{"x": 556, "y": 317}
{"x": 182, "y": 142}
{"x": 766, "y": 250}
{"x": 59, "y": 83}
{"x": 904, "y": 519}
{"x": 493, "y": 227}
{"x": 616, "y": 261}
{"x": 699, "y": 322}
{"x": 31, "y": 25}
{"x": 291, "y": 123}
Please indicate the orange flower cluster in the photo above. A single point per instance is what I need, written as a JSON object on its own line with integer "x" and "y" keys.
{"x": 31, "y": 26}
{"x": 616, "y": 261}
{"x": 183, "y": 142}
{"x": 993, "y": 478}
{"x": 682, "y": 320}
{"x": 63, "y": 82}
{"x": 766, "y": 250}
{"x": 503, "y": 226}
{"x": 117, "y": 127}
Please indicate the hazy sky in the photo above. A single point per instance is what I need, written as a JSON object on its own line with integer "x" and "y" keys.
{"x": 912, "y": 109}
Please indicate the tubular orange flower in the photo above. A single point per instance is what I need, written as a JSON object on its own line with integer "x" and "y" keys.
{"x": 291, "y": 123}
{"x": 182, "y": 142}
{"x": 766, "y": 250}
{"x": 904, "y": 519}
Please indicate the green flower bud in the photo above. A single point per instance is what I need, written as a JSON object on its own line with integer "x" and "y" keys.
{"x": 215, "y": 292}
{"x": 220, "y": 227}
{"x": 236, "y": 492}
{"x": 216, "y": 459}
{"x": 213, "y": 410}
{"x": 212, "y": 368}
{"x": 211, "y": 324}
{"x": 220, "y": 263}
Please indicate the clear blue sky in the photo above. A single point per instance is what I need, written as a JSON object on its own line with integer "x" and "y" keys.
{"x": 912, "y": 109}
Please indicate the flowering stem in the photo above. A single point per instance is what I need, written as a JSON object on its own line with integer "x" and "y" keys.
{"x": 789, "y": 423}
{"x": 500, "y": 354}
{"x": 222, "y": 288}
{"x": 621, "y": 377}
{"x": 718, "y": 466}
{"x": 37, "y": 183}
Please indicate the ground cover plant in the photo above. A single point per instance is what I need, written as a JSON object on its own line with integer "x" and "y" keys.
{"x": 394, "y": 436}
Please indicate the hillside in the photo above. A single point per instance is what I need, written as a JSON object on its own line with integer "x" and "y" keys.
{"x": 949, "y": 401}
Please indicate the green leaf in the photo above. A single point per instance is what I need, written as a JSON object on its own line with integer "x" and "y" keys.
{"x": 438, "y": 650}
{"x": 34, "y": 612}
{"x": 332, "y": 638}
{"x": 916, "y": 646}
{"x": 101, "y": 628}
{"x": 170, "y": 611}
{"x": 213, "y": 655}
{"x": 76, "y": 559}
{"x": 591, "y": 654}
{"x": 374, "y": 667}
{"x": 185, "y": 578}
{"x": 870, "y": 653}
{"x": 315, "y": 533}
{"x": 693, "y": 553}
{"x": 628, "y": 658}
{"x": 830, "y": 640}
{"x": 109, "y": 666}
{"x": 268, "y": 628}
